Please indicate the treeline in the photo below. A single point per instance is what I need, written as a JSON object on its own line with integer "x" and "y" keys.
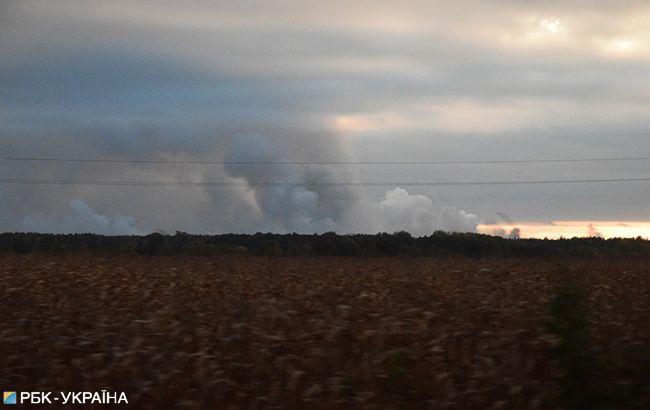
{"x": 327, "y": 244}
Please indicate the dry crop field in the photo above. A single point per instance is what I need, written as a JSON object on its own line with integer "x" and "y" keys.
{"x": 281, "y": 332}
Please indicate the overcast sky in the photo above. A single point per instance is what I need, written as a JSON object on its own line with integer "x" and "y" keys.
{"x": 323, "y": 81}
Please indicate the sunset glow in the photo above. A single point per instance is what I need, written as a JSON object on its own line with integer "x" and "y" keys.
{"x": 570, "y": 229}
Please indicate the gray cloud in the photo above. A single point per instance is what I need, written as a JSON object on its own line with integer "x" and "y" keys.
{"x": 80, "y": 218}
{"x": 310, "y": 206}
{"x": 368, "y": 81}
{"x": 399, "y": 210}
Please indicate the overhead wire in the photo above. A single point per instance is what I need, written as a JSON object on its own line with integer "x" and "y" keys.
{"x": 33, "y": 181}
{"x": 226, "y": 162}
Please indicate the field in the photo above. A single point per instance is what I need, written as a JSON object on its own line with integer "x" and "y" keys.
{"x": 329, "y": 332}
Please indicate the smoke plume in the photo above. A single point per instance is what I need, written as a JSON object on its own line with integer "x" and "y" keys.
{"x": 81, "y": 218}
{"x": 310, "y": 204}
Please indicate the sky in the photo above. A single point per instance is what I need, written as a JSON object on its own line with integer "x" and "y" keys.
{"x": 335, "y": 81}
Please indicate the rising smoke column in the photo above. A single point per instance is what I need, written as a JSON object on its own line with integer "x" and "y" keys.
{"x": 311, "y": 205}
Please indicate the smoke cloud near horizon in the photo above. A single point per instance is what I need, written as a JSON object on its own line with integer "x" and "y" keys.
{"x": 399, "y": 210}
{"x": 308, "y": 205}
{"x": 81, "y": 218}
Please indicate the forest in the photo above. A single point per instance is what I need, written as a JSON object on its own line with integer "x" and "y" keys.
{"x": 438, "y": 244}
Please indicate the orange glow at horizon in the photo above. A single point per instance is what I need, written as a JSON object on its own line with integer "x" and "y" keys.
{"x": 570, "y": 229}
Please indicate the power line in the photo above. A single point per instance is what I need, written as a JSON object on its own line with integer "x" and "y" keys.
{"x": 219, "y": 162}
{"x": 25, "y": 181}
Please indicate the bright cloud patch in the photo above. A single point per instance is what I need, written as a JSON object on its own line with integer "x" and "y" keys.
{"x": 552, "y": 25}
{"x": 399, "y": 210}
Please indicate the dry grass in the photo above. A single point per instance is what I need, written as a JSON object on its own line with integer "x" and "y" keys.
{"x": 252, "y": 332}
